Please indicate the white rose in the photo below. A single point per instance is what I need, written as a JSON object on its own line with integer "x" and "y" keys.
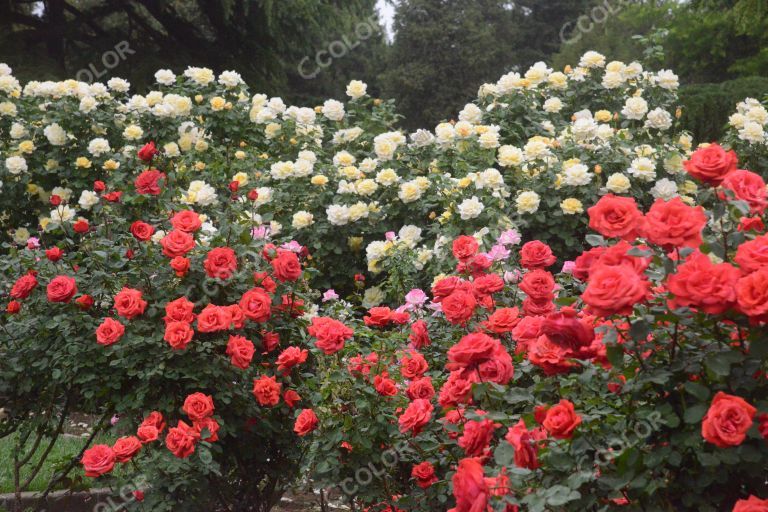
{"x": 664, "y": 189}
{"x": 16, "y": 164}
{"x": 333, "y": 110}
{"x": 356, "y": 89}
{"x": 88, "y": 199}
{"x": 165, "y": 77}
{"x": 659, "y": 119}
{"x": 635, "y": 108}
{"x": 55, "y": 134}
{"x": 302, "y": 219}
{"x": 470, "y": 208}
{"x": 618, "y": 183}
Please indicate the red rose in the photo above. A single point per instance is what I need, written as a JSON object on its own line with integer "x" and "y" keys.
{"x": 465, "y": 247}
{"x": 253, "y": 194}
{"x": 13, "y": 307}
{"x": 753, "y": 255}
{"x": 561, "y": 420}
{"x": 181, "y": 440}
{"x": 155, "y": 418}
{"x": 23, "y": 286}
{"x": 256, "y": 305}
{"x": 129, "y": 304}
{"x": 142, "y": 231}
{"x": 54, "y": 254}
{"x": 711, "y": 164}
{"x": 220, "y": 263}
{"x": 306, "y": 422}
{"x": 113, "y": 197}
{"x": 499, "y": 368}
{"x": 61, "y": 289}
{"x": 269, "y": 341}
{"x": 147, "y": 152}
{"x": 413, "y": 365}
{"x": 110, "y": 331}
{"x": 751, "y": 504}
{"x": 471, "y": 350}
{"x": 147, "y": 433}
{"x": 55, "y": 200}
{"x": 240, "y": 350}
{"x": 290, "y": 357}
{"x": 238, "y": 318}
{"x": 456, "y": 390}
{"x": 749, "y": 187}
{"x": 616, "y": 217}
{"x": 419, "y": 336}
{"x": 263, "y": 280}
{"x": 752, "y": 295}
{"x": 180, "y": 265}
{"x": 178, "y": 334}
{"x": 384, "y": 385}
{"x": 187, "y": 221}
{"x": 424, "y": 474}
{"x": 286, "y": 266}
{"x": 291, "y": 398}
{"x": 527, "y": 331}
{"x": 416, "y": 416}
{"x": 266, "y": 390}
{"x": 420, "y": 388}
{"x": 747, "y": 224}
{"x": 378, "y": 316}
{"x": 81, "y": 226}
{"x": 618, "y": 254}
{"x": 469, "y": 487}
{"x": 614, "y": 290}
{"x": 148, "y": 182}
{"x": 98, "y": 460}
{"x": 503, "y": 320}
{"x": 99, "y": 186}
{"x": 727, "y": 420}
{"x": 214, "y": 318}
{"x": 565, "y": 329}
{"x": 125, "y": 448}
{"x": 701, "y": 284}
{"x": 536, "y": 254}
{"x": 549, "y": 356}
{"x": 180, "y": 310}
{"x": 526, "y": 447}
{"x": 330, "y": 334}
{"x": 674, "y": 224}
{"x": 198, "y": 406}
{"x": 209, "y": 424}
{"x": 585, "y": 261}
{"x": 446, "y": 286}
{"x": 459, "y": 307}
{"x": 477, "y": 436}
{"x": 84, "y": 302}
{"x": 538, "y": 285}
{"x": 487, "y": 284}
{"x": 177, "y": 243}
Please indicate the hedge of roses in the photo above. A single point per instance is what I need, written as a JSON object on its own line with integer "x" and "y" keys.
{"x": 171, "y": 255}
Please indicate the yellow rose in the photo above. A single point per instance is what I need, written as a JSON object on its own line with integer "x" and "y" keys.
{"x": 572, "y": 206}
{"x": 83, "y": 162}
{"x": 319, "y": 180}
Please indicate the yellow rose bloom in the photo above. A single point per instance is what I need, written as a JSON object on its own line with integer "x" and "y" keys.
{"x": 319, "y": 180}
{"x": 83, "y": 162}
{"x": 571, "y": 206}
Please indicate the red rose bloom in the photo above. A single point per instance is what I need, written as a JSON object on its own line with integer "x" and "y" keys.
{"x": 13, "y": 307}
{"x": 701, "y": 284}
{"x": 384, "y": 385}
{"x": 177, "y": 243}
{"x": 751, "y": 504}
{"x": 148, "y": 182}
{"x": 419, "y": 336}
{"x": 306, "y": 422}
{"x": 110, "y": 331}
{"x": 61, "y": 289}
{"x": 477, "y": 436}
{"x": 378, "y": 316}
{"x": 711, "y": 164}
{"x": 472, "y": 350}
{"x": 142, "y": 231}
{"x": 180, "y": 265}
{"x": 413, "y": 365}
{"x": 539, "y": 285}
{"x": 198, "y": 406}
{"x": 614, "y": 290}
{"x": 155, "y": 418}
{"x": 54, "y": 254}
{"x": 752, "y": 255}
{"x": 286, "y": 266}
{"x": 470, "y": 487}
{"x": 267, "y": 391}
{"x": 84, "y": 302}
{"x": 616, "y": 217}
{"x": 420, "y": 388}
{"x": 180, "y": 310}
{"x": 147, "y": 433}
{"x": 465, "y": 247}
{"x": 147, "y": 152}
{"x": 674, "y": 224}
{"x": 291, "y": 398}
{"x": 584, "y": 262}
{"x": 549, "y": 356}
{"x": 187, "y": 221}
{"x": 503, "y": 320}
{"x": 113, "y": 197}
{"x": 458, "y": 307}
{"x": 23, "y": 286}
{"x": 416, "y": 416}
{"x": 727, "y": 420}
{"x": 269, "y": 341}
{"x": 126, "y": 447}
{"x": 526, "y": 447}
{"x": 749, "y": 187}
{"x": 456, "y": 390}
{"x": 129, "y": 304}
{"x": 330, "y": 334}
{"x": 240, "y": 350}
{"x": 424, "y": 474}
{"x": 290, "y": 357}
{"x": 561, "y": 420}
{"x": 487, "y": 284}
{"x": 181, "y": 440}
{"x": 209, "y": 424}
{"x": 220, "y": 263}
{"x": 536, "y": 254}
{"x": 445, "y": 287}
{"x": 565, "y": 329}
{"x": 214, "y": 318}
{"x": 81, "y": 226}
{"x": 256, "y": 305}
{"x": 747, "y": 224}
{"x": 178, "y": 334}
{"x": 98, "y": 460}
{"x": 752, "y": 295}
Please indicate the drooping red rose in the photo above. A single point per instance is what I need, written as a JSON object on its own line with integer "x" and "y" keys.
{"x": 177, "y": 243}
{"x": 286, "y": 266}
{"x": 98, "y": 460}
{"x": 416, "y": 416}
{"x": 470, "y": 487}
{"x": 674, "y": 224}
{"x": 198, "y": 406}
{"x": 291, "y": 398}
{"x": 110, "y": 331}
{"x": 711, "y": 164}
{"x": 306, "y": 422}
{"x": 330, "y": 334}
{"x": 727, "y": 421}
{"x": 565, "y": 329}
{"x": 148, "y": 182}
{"x": 616, "y": 217}
{"x": 220, "y": 263}
{"x": 61, "y": 289}
{"x": 525, "y": 444}
{"x": 477, "y": 436}
{"x": 240, "y": 350}
{"x": 142, "y": 231}
{"x": 419, "y": 336}
{"x": 267, "y": 391}
{"x": 536, "y": 254}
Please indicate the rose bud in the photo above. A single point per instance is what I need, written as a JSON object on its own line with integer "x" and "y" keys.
{"x": 234, "y": 185}
{"x": 253, "y": 194}
{"x": 81, "y": 226}
{"x": 13, "y": 307}
{"x": 55, "y": 200}
{"x": 147, "y": 152}
{"x": 129, "y": 254}
{"x": 84, "y": 302}
{"x": 99, "y": 186}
